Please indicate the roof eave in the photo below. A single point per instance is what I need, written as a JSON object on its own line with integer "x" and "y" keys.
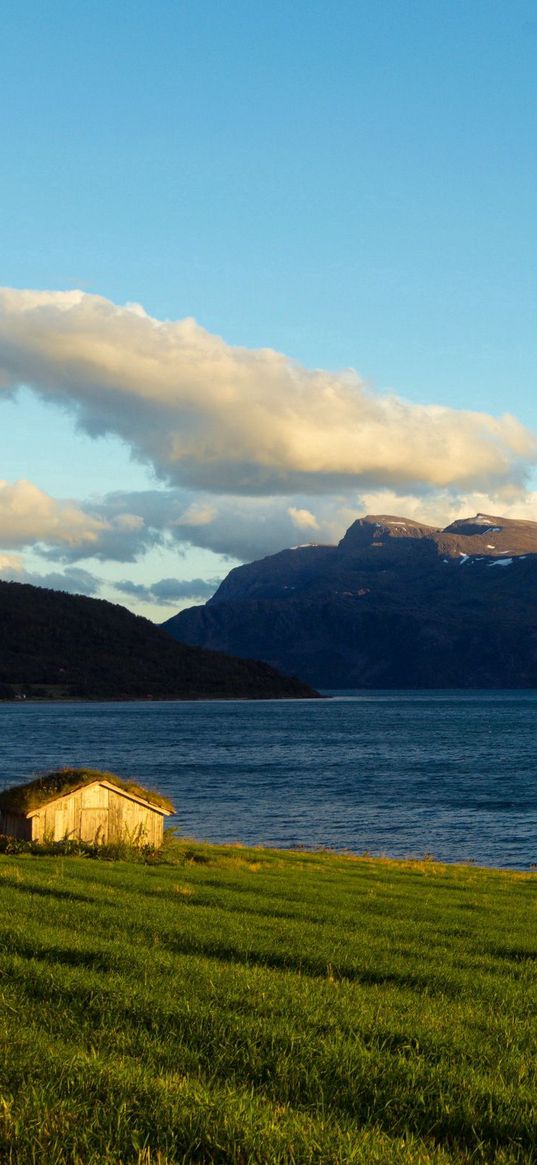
{"x": 89, "y": 785}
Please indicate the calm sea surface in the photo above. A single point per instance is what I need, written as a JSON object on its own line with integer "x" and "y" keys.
{"x": 400, "y": 773}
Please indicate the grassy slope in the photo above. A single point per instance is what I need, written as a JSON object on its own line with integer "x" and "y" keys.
{"x": 260, "y": 1007}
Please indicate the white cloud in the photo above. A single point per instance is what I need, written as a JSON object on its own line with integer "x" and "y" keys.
{"x": 68, "y": 531}
{"x": 237, "y": 421}
{"x": 11, "y": 565}
{"x": 29, "y": 515}
{"x": 442, "y": 507}
{"x": 304, "y": 519}
{"x": 197, "y": 514}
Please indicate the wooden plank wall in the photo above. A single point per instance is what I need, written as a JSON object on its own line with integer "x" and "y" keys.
{"x": 98, "y": 814}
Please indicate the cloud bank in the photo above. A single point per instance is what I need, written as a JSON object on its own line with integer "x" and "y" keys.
{"x": 122, "y": 526}
{"x": 74, "y": 580}
{"x": 206, "y": 415}
{"x": 253, "y": 451}
{"x": 170, "y": 590}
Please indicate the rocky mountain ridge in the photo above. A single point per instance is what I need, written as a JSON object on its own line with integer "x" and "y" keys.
{"x": 396, "y": 603}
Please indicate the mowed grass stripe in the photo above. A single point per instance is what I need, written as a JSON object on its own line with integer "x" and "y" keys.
{"x": 301, "y": 1007}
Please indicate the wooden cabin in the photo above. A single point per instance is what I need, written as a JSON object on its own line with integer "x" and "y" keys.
{"x": 84, "y": 804}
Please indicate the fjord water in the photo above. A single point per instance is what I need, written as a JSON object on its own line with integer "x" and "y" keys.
{"x": 449, "y": 773}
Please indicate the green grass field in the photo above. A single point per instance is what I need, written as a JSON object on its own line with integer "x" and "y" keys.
{"x": 255, "y": 1006}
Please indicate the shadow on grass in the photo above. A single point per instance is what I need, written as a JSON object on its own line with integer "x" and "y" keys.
{"x": 512, "y": 954}
{"x": 231, "y": 907}
{"x": 46, "y": 891}
{"x": 313, "y": 968}
{"x": 70, "y": 957}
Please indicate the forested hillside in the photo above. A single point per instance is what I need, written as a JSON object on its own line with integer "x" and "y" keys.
{"x": 58, "y": 645}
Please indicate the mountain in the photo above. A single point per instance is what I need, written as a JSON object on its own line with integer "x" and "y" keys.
{"x": 54, "y": 644}
{"x": 396, "y": 604}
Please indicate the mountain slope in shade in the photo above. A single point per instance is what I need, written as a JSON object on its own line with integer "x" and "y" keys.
{"x": 396, "y": 604}
{"x": 56, "y": 644}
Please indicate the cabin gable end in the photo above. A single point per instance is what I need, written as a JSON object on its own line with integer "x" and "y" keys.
{"x": 97, "y": 811}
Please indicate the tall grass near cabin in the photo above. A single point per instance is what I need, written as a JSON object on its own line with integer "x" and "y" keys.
{"x": 251, "y": 1006}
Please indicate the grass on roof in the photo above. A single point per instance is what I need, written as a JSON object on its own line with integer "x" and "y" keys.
{"x": 48, "y": 786}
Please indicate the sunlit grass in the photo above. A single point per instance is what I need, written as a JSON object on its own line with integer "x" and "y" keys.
{"x": 254, "y": 1006}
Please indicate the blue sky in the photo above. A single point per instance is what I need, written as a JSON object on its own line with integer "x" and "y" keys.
{"x": 350, "y": 184}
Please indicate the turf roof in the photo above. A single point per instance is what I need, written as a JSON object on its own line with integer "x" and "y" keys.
{"x": 48, "y": 786}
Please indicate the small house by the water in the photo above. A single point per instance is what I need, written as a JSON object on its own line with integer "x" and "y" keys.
{"x": 85, "y": 804}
